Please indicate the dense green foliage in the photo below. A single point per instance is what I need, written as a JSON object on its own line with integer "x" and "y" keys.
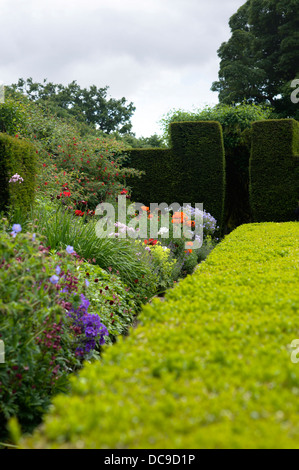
{"x": 234, "y": 119}
{"x": 17, "y": 173}
{"x": 210, "y": 367}
{"x": 154, "y": 141}
{"x": 260, "y": 60}
{"x": 89, "y": 106}
{"x": 274, "y": 170}
{"x": 191, "y": 171}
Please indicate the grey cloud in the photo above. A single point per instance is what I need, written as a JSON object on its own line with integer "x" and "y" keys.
{"x": 133, "y": 46}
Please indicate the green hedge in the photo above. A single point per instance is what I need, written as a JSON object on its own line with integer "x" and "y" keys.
{"x": 16, "y": 157}
{"x": 210, "y": 367}
{"x": 274, "y": 170}
{"x": 192, "y": 171}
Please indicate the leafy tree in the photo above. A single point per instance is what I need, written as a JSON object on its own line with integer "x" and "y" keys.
{"x": 153, "y": 141}
{"x": 261, "y": 58}
{"x": 90, "y": 106}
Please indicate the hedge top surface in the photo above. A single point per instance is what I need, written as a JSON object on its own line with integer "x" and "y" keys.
{"x": 210, "y": 367}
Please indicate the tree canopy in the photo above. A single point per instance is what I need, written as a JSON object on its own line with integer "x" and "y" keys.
{"x": 90, "y": 106}
{"x": 261, "y": 59}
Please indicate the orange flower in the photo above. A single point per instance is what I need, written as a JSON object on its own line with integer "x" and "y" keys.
{"x": 189, "y": 251}
{"x": 189, "y": 243}
{"x": 180, "y": 215}
{"x": 144, "y": 208}
{"x": 190, "y": 223}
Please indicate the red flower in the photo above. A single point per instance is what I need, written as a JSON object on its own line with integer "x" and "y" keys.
{"x": 79, "y": 213}
{"x": 124, "y": 191}
{"x": 66, "y": 193}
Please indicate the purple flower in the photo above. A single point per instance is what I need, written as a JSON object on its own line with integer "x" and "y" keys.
{"x": 16, "y": 228}
{"x": 54, "y": 279}
{"x": 89, "y": 331}
{"x": 86, "y": 282}
{"x": 33, "y": 237}
{"x": 70, "y": 249}
{"x": 58, "y": 270}
{"x": 85, "y": 302}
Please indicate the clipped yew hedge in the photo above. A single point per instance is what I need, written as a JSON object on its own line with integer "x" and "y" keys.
{"x": 274, "y": 170}
{"x": 191, "y": 171}
{"x": 210, "y": 367}
{"x": 17, "y": 157}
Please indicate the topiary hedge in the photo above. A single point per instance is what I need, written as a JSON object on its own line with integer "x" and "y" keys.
{"x": 192, "y": 171}
{"x": 210, "y": 367}
{"x": 274, "y": 170}
{"x": 17, "y": 173}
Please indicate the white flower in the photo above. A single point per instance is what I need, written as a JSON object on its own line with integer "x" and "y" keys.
{"x": 163, "y": 230}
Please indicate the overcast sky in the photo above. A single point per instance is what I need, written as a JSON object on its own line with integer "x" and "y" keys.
{"x": 159, "y": 54}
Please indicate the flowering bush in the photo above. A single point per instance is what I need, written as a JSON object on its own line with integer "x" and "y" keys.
{"x": 99, "y": 161}
{"x": 158, "y": 259}
{"x": 53, "y": 182}
{"x": 108, "y": 297}
{"x": 185, "y": 227}
{"x": 163, "y": 264}
{"x": 44, "y": 323}
{"x": 91, "y": 165}
{"x": 87, "y": 326}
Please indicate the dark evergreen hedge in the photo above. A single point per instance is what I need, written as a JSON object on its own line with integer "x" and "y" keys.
{"x": 274, "y": 170}
{"x": 192, "y": 171}
{"x": 16, "y": 156}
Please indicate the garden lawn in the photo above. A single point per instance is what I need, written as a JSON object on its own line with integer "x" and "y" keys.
{"x": 210, "y": 367}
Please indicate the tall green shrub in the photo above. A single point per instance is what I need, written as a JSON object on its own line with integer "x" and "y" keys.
{"x": 274, "y": 170}
{"x": 199, "y": 150}
{"x": 191, "y": 171}
{"x": 17, "y": 157}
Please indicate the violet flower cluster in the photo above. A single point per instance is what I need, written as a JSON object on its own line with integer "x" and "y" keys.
{"x": 91, "y": 329}
{"x": 87, "y": 326}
